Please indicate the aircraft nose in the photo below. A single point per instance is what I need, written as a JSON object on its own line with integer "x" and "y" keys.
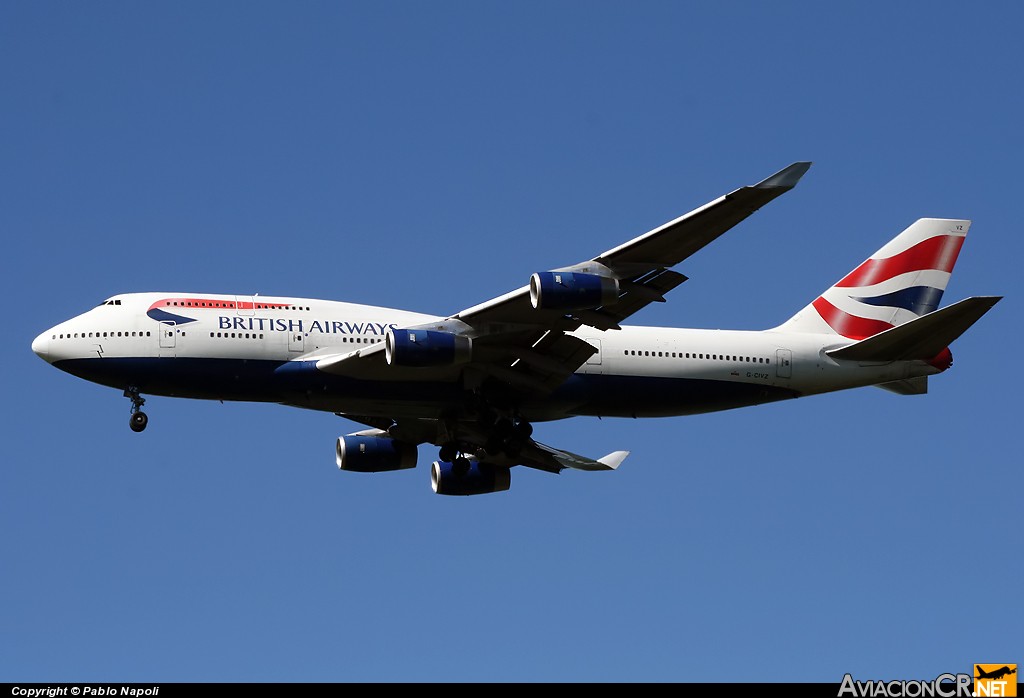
{"x": 41, "y": 346}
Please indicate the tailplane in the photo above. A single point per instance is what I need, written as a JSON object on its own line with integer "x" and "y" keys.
{"x": 902, "y": 281}
{"x": 926, "y": 338}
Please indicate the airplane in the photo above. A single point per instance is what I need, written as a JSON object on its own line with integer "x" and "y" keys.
{"x": 996, "y": 674}
{"x": 474, "y": 383}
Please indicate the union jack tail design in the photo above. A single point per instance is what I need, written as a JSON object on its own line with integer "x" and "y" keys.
{"x": 902, "y": 281}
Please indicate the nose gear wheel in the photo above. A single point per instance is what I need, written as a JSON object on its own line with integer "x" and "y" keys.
{"x": 138, "y": 420}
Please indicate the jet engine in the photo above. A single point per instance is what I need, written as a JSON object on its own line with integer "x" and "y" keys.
{"x": 562, "y": 290}
{"x": 467, "y": 476}
{"x": 374, "y": 454}
{"x": 419, "y": 348}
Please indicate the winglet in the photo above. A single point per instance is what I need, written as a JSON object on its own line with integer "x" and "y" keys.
{"x": 785, "y": 178}
{"x": 614, "y": 459}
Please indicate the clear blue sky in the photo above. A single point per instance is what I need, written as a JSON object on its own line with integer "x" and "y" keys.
{"x": 429, "y": 156}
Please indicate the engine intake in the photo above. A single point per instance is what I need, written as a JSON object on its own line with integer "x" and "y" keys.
{"x": 374, "y": 454}
{"x": 420, "y": 348}
{"x": 562, "y": 290}
{"x": 476, "y": 478}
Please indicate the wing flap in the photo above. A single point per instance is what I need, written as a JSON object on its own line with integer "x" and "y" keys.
{"x": 637, "y": 294}
{"x": 537, "y": 367}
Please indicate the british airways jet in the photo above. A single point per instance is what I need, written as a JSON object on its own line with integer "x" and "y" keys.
{"x": 474, "y": 383}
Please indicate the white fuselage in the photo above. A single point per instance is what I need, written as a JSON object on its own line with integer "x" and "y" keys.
{"x": 230, "y": 347}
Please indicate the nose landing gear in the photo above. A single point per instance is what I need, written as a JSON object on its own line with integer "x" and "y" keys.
{"x": 138, "y": 420}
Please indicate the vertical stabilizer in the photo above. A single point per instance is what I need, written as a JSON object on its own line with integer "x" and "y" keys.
{"x": 902, "y": 281}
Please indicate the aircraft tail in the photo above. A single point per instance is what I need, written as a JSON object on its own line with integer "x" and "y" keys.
{"x": 902, "y": 281}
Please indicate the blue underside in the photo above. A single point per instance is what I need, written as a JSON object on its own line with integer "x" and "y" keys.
{"x": 300, "y": 383}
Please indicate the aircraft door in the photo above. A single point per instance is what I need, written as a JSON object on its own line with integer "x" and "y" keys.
{"x": 296, "y": 341}
{"x": 244, "y": 305}
{"x": 167, "y": 335}
{"x": 784, "y": 363}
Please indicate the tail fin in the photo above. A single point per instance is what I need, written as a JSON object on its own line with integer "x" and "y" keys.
{"x": 901, "y": 282}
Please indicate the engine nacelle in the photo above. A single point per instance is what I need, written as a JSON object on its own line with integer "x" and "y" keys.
{"x": 420, "y": 348}
{"x": 479, "y": 478}
{"x": 374, "y": 454}
{"x": 563, "y": 290}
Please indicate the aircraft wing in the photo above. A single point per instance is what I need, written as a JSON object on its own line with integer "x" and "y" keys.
{"x": 528, "y": 348}
{"x": 642, "y": 264}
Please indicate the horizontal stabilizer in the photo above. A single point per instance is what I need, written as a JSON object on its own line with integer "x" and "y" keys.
{"x": 908, "y": 386}
{"x": 553, "y": 459}
{"x": 922, "y": 338}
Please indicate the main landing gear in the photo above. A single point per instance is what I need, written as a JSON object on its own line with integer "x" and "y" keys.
{"x": 138, "y": 420}
{"x": 505, "y": 437}
{"x": 450, "y": 453}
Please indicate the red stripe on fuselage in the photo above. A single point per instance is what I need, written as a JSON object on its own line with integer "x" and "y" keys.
{"x": 210, "y": 303}
{"x": 938, "y": 253}
{"x": 850, "y": 326}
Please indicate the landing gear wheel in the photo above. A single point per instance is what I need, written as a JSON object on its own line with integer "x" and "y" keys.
{"x": 460, "y": 466}
{"x": 138, "y": 421}
{"x": 447, "y": 453}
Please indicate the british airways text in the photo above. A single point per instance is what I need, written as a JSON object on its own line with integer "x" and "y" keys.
{"x": 267, "y": 324}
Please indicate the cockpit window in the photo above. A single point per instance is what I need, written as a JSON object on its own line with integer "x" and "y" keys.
{"x": 111, "y": 302}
